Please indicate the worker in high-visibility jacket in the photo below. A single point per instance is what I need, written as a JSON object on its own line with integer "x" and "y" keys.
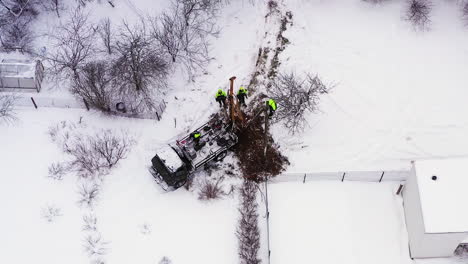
{"x": 221, "y": 97}
{"x": 272, "y": 105}
{"x": 196, "y": 136}
{"x": 241, "y": 95}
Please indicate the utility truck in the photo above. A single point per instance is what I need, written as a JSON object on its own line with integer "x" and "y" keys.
{"x": 176, "y": 162}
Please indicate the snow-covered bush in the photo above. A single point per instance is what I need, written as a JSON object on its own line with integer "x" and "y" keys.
{"x": 89, "y": 223}
{"x": 93, "y": 84}
{"x": 211, "y": 189}
{"x": 465, "y": 12}
{"x": 96, "y": 155}
{"x": 95, "y": 246}
{"x": 248, "y": 232}
{"x": 57, "y": 171}
{"x": 296, "y": 96}
{"x": 51, "y": 212}
{"x": 165, "y": 260}
{"x": 140, "y": 70}
{"x": 418, "y": 13}
{"x": 88, "y": 192}
{"x": 7, "y": 111}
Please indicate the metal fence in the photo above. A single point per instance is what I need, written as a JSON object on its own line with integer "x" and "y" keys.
{"x": 365, "y": 176}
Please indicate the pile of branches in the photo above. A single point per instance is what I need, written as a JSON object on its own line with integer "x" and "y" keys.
{"x": 250, "y": 150}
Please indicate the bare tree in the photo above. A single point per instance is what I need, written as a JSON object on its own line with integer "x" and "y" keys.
{"x": 74, "y": 45}
{"x": 247, "y": 231}
{"x": 295, "y": 97}
{"x": 90, "y": 223}
{"x": 53, "y": 5}
{"x": 7, "y": 110}
{"x": 418, "y": 13}
{"x": 140, "y": 71}
{"x": 93, "y": 83}
{"x": 18, "y": 8}
{"x": 106, "y": 35}
{"x": 184, "y": 32}
{"x": 17, "y": 36}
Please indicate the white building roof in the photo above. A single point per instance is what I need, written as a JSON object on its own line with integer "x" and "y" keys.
{"x": 444, "y": 200}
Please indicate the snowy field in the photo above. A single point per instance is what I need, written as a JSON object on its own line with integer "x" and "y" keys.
{"x": 334, "y": 222}
{"x": 399, "y": 95}
{"x": 140, "y": 222}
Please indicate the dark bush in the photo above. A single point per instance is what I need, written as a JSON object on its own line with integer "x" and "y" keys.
{"x": 211, "y": 190}
{"x": 418, "y": 13}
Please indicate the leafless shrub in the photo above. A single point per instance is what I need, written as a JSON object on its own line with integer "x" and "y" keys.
{"x": 88, "y": 193}
{"x": 165, "y": 260}
{"x": 7, "y": 107}
{"x": 295, "y": 97}
{"x": 106, "y": 34}
{"x": 272, "y": 5}
{"x": 247, "y": 231}
{"x": 94, "y": 245}
{"x": 74, "y": 45}
{"x": 145, "y": 229}
{"x": 465, "y": 12}
{"x": 50, "y": 213}
{"x": 89, "y": 223}
{"x": 211, "y": 190}
{"x": 93, "y": 83}
{"x": 140, "y": 71}
{"x": 57, "y": 171}
{"x": 96, "y": 155}
{"x": 418, "y": 13}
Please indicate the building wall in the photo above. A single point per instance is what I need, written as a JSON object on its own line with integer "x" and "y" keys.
{"x": 422, "y": 244}
{"x": 439, "y": 245}
{"x": 413, "y": 215}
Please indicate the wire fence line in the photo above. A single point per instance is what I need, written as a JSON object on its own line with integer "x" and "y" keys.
{"x": 363, "y": 176}
{"x": 59, "y": 102}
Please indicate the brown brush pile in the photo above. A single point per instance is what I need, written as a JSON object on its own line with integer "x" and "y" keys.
{"x": 250, "y": 151}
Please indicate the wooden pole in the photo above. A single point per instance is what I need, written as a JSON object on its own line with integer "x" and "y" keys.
{"x": 231, "y": 98}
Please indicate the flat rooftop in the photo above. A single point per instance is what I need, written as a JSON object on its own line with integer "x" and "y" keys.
{"x": 443, "y": 188}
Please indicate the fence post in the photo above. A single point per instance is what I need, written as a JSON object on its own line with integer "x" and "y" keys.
{"x": 381, "y": 177}
{"x": 157, "y": 116}
{"x": 303, "y": 181}
{"x": 34, "y": 103}
{"x": 399, "y": 189}
{"x": 342, "y": 179}
{"x": 175, "y": 122}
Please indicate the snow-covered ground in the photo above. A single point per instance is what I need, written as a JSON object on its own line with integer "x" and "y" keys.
{"x": 399, "y": 95}
{"x": 140, "y": 222}
{"x": 334, "y": 222}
